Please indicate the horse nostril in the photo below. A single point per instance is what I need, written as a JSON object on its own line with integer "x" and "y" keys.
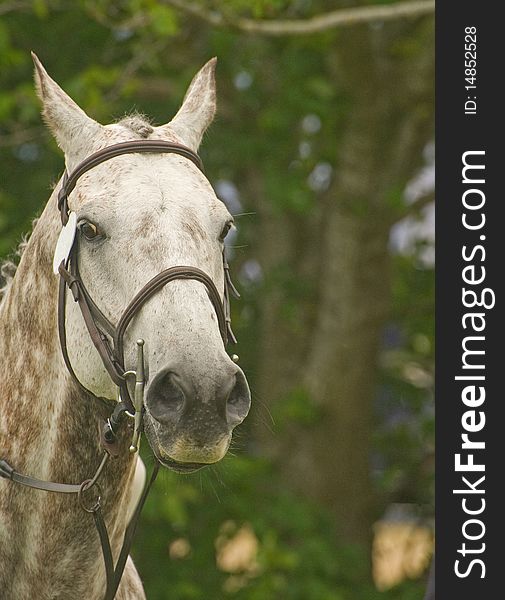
{"x": 166, "y": 398}
{"x": 239, "y": 401}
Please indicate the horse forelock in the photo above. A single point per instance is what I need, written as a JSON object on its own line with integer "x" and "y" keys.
{"x": 138, "y": 123}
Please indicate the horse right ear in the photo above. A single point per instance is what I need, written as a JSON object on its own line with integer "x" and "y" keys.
{"x": 72, "y": 128}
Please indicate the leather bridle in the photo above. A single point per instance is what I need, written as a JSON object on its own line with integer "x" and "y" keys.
{"x": 108, "y": 339}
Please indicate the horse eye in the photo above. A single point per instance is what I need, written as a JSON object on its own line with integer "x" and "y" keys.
{"x": 225, "y": 230}
{"x": 89, "y": 230}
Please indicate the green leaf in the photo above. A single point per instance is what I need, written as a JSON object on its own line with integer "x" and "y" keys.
{"x": 40, "y": 8}
{"x": 163, "y": 20}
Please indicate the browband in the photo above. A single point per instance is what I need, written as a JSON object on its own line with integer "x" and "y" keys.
{"x": 131, "y": 147}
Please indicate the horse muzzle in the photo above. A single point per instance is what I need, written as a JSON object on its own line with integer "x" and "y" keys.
{"x": 189, "y": 420}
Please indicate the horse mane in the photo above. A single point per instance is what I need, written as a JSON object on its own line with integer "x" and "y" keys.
{"x": 9, "y": 266}
{"x": 139, "y": 124}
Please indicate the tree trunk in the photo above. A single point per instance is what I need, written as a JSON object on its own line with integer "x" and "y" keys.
{"x": 319, "y": 349}
{"x": 330, "y": 365}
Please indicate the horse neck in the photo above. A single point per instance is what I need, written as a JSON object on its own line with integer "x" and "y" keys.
{"x": 35, "y": 387}
{"x": 48, "y": 428}
{"x": 37, "y": 390}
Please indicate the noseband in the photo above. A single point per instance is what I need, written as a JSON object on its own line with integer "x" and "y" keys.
{"x": 108, "y": 339}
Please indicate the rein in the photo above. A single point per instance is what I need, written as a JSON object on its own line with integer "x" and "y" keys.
{"x": 108, "y": 339}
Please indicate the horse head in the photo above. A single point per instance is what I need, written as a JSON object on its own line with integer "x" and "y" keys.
{"x": 137, "y": 215}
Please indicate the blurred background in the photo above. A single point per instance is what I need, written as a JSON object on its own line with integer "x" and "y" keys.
{"x": 323, "y": 149}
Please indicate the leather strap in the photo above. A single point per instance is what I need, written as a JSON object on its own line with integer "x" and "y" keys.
{"x": 108, "y": 559}
{"x": 62, "y": 294}
{"x": 129, "y": 535}
{"x": 228, "y": 287}
{"x": 7, "y": 472}
{"x": 159, "y": 281}
{"x": 113, "y": 574}
{"x": 98, "y": 338}
{"x": 112, "y": 355}
{"x": 130, "y": 147}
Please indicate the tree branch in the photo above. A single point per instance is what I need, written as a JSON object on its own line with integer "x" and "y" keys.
{"x": 415, "y": 207}
{"x": 339, "y": 18}
{"x": 132, "y": 67}
{"x": 20, "y": 136}
{"x": 15, "y": 5}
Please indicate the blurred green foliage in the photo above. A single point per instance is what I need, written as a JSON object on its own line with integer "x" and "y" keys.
{"x": 298, "y": 558}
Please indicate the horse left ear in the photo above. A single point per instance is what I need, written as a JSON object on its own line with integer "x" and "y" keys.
{"x": 198, "y": 108}
{"x": 73, "y": 129}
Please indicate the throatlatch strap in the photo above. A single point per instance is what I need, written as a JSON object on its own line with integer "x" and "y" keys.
{"x": 113, "y": 574}
{"x": 7, "y": 472}
{"x": 108, "y": 559}
{"x": 130, "y": 533}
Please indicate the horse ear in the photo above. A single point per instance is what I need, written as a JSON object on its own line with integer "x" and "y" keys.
{"x": 72, "y": 128}
{"x": 198, "y": 107}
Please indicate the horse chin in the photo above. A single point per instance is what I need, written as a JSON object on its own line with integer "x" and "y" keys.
{"x": 183, "y": 457}
{"x": 179, "y": 467}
